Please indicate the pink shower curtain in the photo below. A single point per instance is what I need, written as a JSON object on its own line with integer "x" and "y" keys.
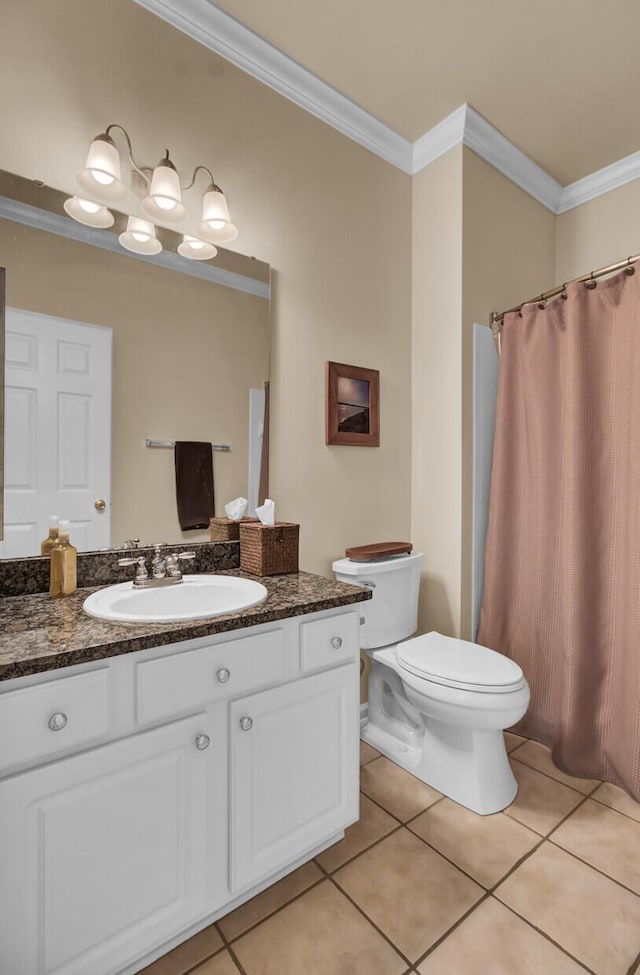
{"x": 562, "y": 565}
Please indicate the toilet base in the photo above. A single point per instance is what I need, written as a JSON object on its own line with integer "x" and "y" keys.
{"x": 470, "y": 767}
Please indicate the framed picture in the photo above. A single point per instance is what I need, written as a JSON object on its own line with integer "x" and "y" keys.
{"x": 352, "y": 405}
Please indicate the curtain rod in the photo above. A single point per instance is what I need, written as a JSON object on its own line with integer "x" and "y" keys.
{"x": 499, "y": 316}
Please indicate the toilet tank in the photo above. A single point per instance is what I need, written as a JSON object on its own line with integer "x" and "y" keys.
{"x": 392, "y": 614}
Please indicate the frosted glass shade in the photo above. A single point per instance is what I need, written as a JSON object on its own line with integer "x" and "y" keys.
{"x": 216, "y": 225}
{"x": 100, "y": 179}
{"x": 140, "y": 237}
{"x": 196, "y": 250}
{"x": 87, "y": 212}
{"x": 164, "y": 202}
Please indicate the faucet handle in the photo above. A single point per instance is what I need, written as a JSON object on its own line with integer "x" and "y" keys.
{"x": 186, "y": 556}
{"x": 141, "y": 572}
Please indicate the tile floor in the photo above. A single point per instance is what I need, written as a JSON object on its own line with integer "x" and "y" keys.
{"x": 551, "y": 886}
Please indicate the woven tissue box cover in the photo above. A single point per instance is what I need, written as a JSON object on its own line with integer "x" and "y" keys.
{"x": 225, "y": 529}
{"x": 269, "y": 550}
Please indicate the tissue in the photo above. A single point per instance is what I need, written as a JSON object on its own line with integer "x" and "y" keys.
{"x": 236, "y": 510}
{"x": 267, "y": 512}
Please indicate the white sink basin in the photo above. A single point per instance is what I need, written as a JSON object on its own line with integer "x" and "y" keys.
{"x": 198, "y": 596}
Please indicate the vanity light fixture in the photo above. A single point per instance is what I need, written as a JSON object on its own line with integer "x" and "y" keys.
{"x": 161, "y": 201}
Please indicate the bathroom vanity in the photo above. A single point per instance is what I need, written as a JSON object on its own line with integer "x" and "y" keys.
{"x": 153, "y": 777}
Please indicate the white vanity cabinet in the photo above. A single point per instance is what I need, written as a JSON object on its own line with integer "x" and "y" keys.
{"x": 103, "y": 854}
{"x": 199, "y": 773}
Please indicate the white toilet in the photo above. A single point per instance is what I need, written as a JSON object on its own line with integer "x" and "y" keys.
{"x": 437, "y": 705}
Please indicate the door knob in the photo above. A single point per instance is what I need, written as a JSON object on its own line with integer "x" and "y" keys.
{"x": 223, "y": 675}
{"x": 100, "y": 504}
{"x": 246, "y": 724}
{"x": 202, "y": 742}
{"x": 336, "y": 642}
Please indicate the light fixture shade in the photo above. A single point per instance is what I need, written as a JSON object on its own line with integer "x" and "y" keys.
{"x": 87, "y": 212}
{"x": 100, "y": 179}
{"x": 195, "y": 249}
{"x": 216, "y": 225}
{"x": 164, "y": 202}
{"x": 140, "y": 237}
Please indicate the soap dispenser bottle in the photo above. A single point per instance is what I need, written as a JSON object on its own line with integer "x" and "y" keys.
{"x": 63, "y": 565}
{"x": 51, "y": 540}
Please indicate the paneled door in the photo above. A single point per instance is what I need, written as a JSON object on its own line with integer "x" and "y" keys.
{"x": 57, "y": 431}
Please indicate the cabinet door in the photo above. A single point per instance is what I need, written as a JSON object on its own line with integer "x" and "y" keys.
{"x": 103, "y": 855}
{"x": 293, "y": 771}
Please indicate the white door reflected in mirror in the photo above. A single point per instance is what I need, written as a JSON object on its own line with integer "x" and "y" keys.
{"x": 57, "y": 431}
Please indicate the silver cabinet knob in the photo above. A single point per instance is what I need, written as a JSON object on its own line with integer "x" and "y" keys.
{"x": 223, "y": 675}
{"x": 246, "y": 724}
{"x": 57, "y": 721}
{"x": 336, "y": 642}
{"x": 202, "y": 742}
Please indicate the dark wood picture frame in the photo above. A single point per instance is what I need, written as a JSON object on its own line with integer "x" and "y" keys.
{"x": 352, "y": 405}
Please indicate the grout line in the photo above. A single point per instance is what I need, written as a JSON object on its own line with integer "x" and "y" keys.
{"x": 591, "y": 866}
{"x": 548, "y": 938}
{"x": 450, "y": 930}
{"x": 635, "y": 967}
{"x": 613, "y": 808}
{"x": 227, "y": 946}
{"x": 373, "y": 924}
{"x": 552, "y": 777}
{"x": 228, "y": 942}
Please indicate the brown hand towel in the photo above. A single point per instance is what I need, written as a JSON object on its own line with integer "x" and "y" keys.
{"x": 194, "y": 484}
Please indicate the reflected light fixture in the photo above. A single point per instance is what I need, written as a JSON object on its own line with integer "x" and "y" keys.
{"x": 161, "y": 202}
{"x": 196, "y": 250}
{"x": 140, "y": 237}
{"x": 87, "y": 212}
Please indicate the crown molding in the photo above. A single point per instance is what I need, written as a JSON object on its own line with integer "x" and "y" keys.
{"x": 221, "y": 33}
{"x": 492, "y": 146}
{"x": 439, "y": 140}
{"x": 55, "y": 223}
{"x": 602, "y": 181}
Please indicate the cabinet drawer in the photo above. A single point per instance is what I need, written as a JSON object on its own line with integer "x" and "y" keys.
{"x": 184, "y": 681}
{"x": 45, "y": 719}
{"x": 327, "y": 642}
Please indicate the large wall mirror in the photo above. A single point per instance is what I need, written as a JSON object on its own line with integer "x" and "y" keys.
{"x": 189, "y": 359}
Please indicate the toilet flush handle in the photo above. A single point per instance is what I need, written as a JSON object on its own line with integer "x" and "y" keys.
{"x": 368, "y": 585}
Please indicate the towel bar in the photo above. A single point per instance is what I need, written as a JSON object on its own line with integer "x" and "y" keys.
{"x": 224, "y": 447}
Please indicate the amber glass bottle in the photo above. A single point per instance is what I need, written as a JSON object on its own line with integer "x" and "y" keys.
{"x": 63, "y": 565}
{"x": 51, "y": 540}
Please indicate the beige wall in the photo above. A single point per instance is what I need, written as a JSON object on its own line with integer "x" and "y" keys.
{"x": 479, "y": 244}
{"x": 436, "y": 389}
{"x": 185, "y": 354}
{"x": 598, "y": 233}
{"x": 508, "y": 245}
{"x": 333, "y": 220}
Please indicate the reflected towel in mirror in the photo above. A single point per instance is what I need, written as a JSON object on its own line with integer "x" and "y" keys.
{"x": 194, "y": 484}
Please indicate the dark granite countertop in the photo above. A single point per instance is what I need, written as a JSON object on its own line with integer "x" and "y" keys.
{"x": 39, "y": 633}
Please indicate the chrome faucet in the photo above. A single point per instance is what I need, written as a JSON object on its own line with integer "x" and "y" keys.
{"x": 165, "y": 570}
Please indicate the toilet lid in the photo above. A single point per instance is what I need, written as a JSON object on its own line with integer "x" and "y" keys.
{"x": 457, "y": 662}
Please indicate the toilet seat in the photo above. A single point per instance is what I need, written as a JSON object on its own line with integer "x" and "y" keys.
{"x": 459, "y": 664}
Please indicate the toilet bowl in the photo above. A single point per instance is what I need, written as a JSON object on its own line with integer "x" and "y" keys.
{"x": 437, "y": 706}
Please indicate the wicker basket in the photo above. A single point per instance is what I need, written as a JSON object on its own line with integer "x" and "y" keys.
{"x": 226, "y": 530}
{"x": 269, "y": 550}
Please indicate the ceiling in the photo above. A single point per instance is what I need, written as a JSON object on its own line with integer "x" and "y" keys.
{"x": 556, "y": 77}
